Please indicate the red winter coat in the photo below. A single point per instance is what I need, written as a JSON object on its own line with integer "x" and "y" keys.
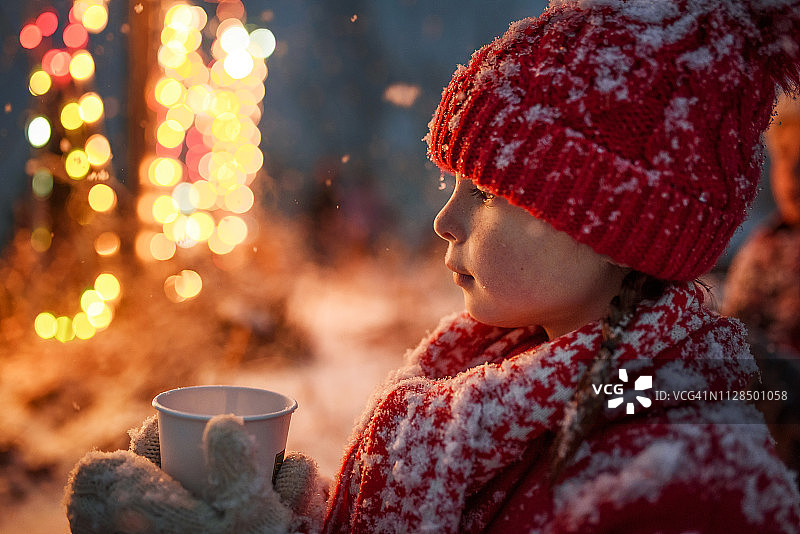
{"x": 459, "y": 440}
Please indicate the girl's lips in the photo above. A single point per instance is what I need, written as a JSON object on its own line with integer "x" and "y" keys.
{"x": 463, "y": 280}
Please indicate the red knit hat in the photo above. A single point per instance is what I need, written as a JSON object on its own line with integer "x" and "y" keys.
{"x": 632, "y": 125}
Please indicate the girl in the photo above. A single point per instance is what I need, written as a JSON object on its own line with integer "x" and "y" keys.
{"x": 604, "y": 153}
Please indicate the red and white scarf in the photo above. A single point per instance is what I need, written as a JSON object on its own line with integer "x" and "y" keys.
{"x": 473, "y": 397}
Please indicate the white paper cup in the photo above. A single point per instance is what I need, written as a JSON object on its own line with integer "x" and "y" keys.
{"x": 184, "y": 412}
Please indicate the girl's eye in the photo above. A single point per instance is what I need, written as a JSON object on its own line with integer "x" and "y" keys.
{"x": 485, "y": 196}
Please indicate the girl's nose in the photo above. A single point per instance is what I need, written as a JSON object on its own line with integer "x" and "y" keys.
{"x": 446, "y": 224}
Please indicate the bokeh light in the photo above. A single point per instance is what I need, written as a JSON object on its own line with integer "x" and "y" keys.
{"x": 168, "y": 91}
{"x": 233, "y": 37}
{"x": 75, "y": 36}
{"x": 231, "y": 9}
{"x": 102, "y": 198}
{"x": 82, "y": 327}
{"x": 90, "y": 107}
{"x": 41, "y": 239}
{"x": 165, "y": 172}
{"x": 77, "y": 164}
{"x": 189, "y": 284}
{"x": 39, "y": 131}
{"x": 185, "y": 197}
{"x": 238, "y": 64}
{"x": 179, "y": 16}
{"x": 71, "y": 116}
{"x": 184, "y": 286}
{"x": 101, "y": 318}
{"x": 206, "y": 194}
{"x": 47, "y": 23}
{"x": 181, "y": 114}
{"x": 91, "y": 302}
{"x": 107, "y": 244}
{"x": 39, "y": 83}
{"x": 81, "y": 66}
{"x": 107, "y": 286}
{"x": 170, "y": 134}
{"x": 45, "y": 325}
{"x": 249, "y": 157}
{"x": 42, "y": 183}
{"x": 262, "y": 43}
{"x": 98, "y": 150}
{"x": 64, "y": 330}
{"x": 165, "y": 209}
{"x": 200, "y": 226}
{"x": 56, "y": 62}
{"x": 232, "y": 230}
{"x": 30, "y": 36}
{"x": 161, "y": 248}
{"x": 95, "y": 18}
{"x": 239, "y": 199}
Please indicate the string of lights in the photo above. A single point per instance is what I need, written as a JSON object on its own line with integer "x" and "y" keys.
{"x": 196, "y": 185}
{"x": 82, "y": 155}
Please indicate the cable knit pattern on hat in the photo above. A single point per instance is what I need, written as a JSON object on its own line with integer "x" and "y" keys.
{"x": 634, "y": 126}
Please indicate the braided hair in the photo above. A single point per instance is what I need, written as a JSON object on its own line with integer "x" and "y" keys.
{"x": 636, "y": 286}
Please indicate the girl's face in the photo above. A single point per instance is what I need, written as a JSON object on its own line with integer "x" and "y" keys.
{"x": 516, "y": 270}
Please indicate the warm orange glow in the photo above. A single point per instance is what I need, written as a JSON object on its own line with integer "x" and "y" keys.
{"x": 107, "y": 244}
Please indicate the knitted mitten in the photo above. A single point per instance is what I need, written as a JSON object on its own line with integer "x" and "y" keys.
{"x": 124, "y": 492}
{"x": 144, "y": 440}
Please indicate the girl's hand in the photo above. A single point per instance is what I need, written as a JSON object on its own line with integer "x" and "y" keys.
{"x": 128, "y": 493}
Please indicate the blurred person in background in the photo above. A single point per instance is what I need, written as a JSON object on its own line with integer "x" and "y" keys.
{"x": 763, "y": 283}
{"x": 762, "y": 287}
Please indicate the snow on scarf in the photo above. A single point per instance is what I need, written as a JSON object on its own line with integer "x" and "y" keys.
{"x": 473, "y": 397}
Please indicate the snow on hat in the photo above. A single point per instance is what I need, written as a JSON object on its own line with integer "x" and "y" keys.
{"x": 632, "y": 125}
